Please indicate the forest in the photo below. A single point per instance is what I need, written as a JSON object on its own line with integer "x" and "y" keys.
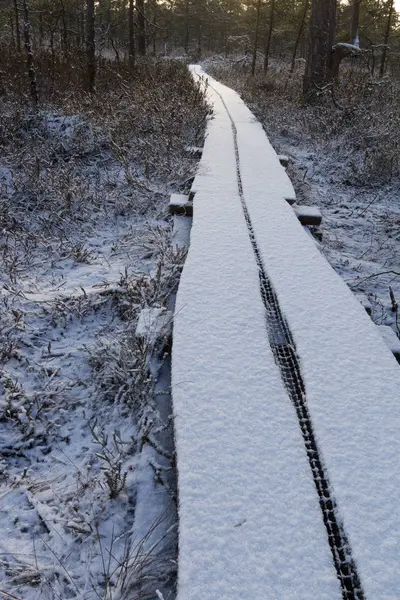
{"x": 118, "y": 30}
{"x": 99, "y": 116}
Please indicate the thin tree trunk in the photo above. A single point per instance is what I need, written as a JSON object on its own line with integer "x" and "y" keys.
{"x": 17, "y": 29}
{"x": 199, "y": 39}
{"x": 269, "y": 36}
{"x": 141, "y": 20}
{"x": 187, "y": 27}
{"x": 64, "y": 29}
{"x": 254, "y": 61}
{"x": 41, "y": 33}
{"x": 155, "y": 31}
{"x": 386, "y": 40}
{"x": 131, "y": 35}
{"x": 14, "y": 42}
{"x": 299, "y": 34}
{"x": 355, "y": 22}
{"x": 114, "y": 47}
{"x": 319, "y": 57}
{"x": 90, "y": 45}
{"x": 29, "y": 53}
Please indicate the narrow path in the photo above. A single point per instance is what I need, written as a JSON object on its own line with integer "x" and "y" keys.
{"x": 286, "y": 357}
{"x": 249, "y": 516}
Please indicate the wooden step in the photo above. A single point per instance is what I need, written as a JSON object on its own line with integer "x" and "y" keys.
{"x": 308, "y": 215}
{"x": 194, "y": 151}
{"x": 284, "y": 160}
{"x": 179, "y": 204}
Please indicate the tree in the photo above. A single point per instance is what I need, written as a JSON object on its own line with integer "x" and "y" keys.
{"x": 17, "y": 30}
{"x": 29, "y": 53}
{"x": 141, "y": 33}
{"x": 255, "y": 47}
{"x": 386, "y": 39}
{"x": 355, "y": 20}
{"x": 269, "y": 35}
{"x": 90, "y": 45}
{"x": 131, "y": 35}
{"x": 321, "y": 37}
{"x": 299, "y": 33}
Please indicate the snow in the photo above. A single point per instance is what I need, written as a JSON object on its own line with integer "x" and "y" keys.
{"x": 153, "y": 324}
{"x": 180, "y": 200}
{"x": 312, "y": 211}
{"x": 352, "y": 379}
{"x": 391, "y": 339}
{"x": 72, "y": 133}
{"x": 308, "y": 215}
{"x": 250, "y": 523}
{"x": 6, "y": 181}
{"x": 181, "y": 232}
{"x": 354, "y": 47}
{"x": 73, "y": 281}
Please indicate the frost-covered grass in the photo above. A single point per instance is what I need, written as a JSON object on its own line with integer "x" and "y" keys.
{"x": 87, "y": 500}
{"x": 344, "y": 157}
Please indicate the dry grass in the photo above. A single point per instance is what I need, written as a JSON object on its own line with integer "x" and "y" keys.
{"x": 84, "y": 245}
{"x": 358, "y": 121}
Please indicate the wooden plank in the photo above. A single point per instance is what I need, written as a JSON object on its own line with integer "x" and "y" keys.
{"x": 308, "y": 215}
{"x": 284, "y": 160}
{"x": 194, "y": 151}
{"x": 180, "y": 204}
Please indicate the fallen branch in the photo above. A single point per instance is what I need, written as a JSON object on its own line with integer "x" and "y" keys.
{"x": 7, "y": 595}
{"x": 395, "y": 273}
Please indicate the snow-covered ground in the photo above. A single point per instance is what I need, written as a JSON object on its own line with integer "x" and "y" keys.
{"x": 87, "y": 490}
{"x": 234, "y": 420}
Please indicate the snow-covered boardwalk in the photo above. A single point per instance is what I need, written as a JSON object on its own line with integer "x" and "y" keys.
{"x": 287, "y": 490}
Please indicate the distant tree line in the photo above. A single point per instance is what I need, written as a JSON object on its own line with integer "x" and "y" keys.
{"x": 322, "y": 31}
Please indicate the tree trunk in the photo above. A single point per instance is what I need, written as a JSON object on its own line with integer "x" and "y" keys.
{"x": 64, "y": 29}
{"x": 269, "y": 36}
{"x": 319, "y": 57}
{"x": 187, "y": 26}
{"x": 41, "y": 31}
{"x": 14, "y": 42}
{"x": 17, "y": 29}
{"x": 29, "y": 53}
{"x": 299, "y": 34}
{"x": 355, "y": 22}
{"x": 199, "y": 39}
{"x": 141, "y": 20}
{"x": 131, "y": 35}
{"x": 254, "y": 61}
{"x": 90, "y": 45}
{"x": 386, "y": 40}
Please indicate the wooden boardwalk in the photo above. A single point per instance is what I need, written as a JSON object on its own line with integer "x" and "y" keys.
{"x": 285, "y": 395}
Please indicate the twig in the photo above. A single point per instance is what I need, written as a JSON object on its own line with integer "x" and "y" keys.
{"x": 395, "y": 273}
{"x": 395, "y": 306}
{"x": 7, "y": 595}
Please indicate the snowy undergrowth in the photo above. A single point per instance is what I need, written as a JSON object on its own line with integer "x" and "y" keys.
{"x": 87, "y": 500}
{"x": 344, "y": 157}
